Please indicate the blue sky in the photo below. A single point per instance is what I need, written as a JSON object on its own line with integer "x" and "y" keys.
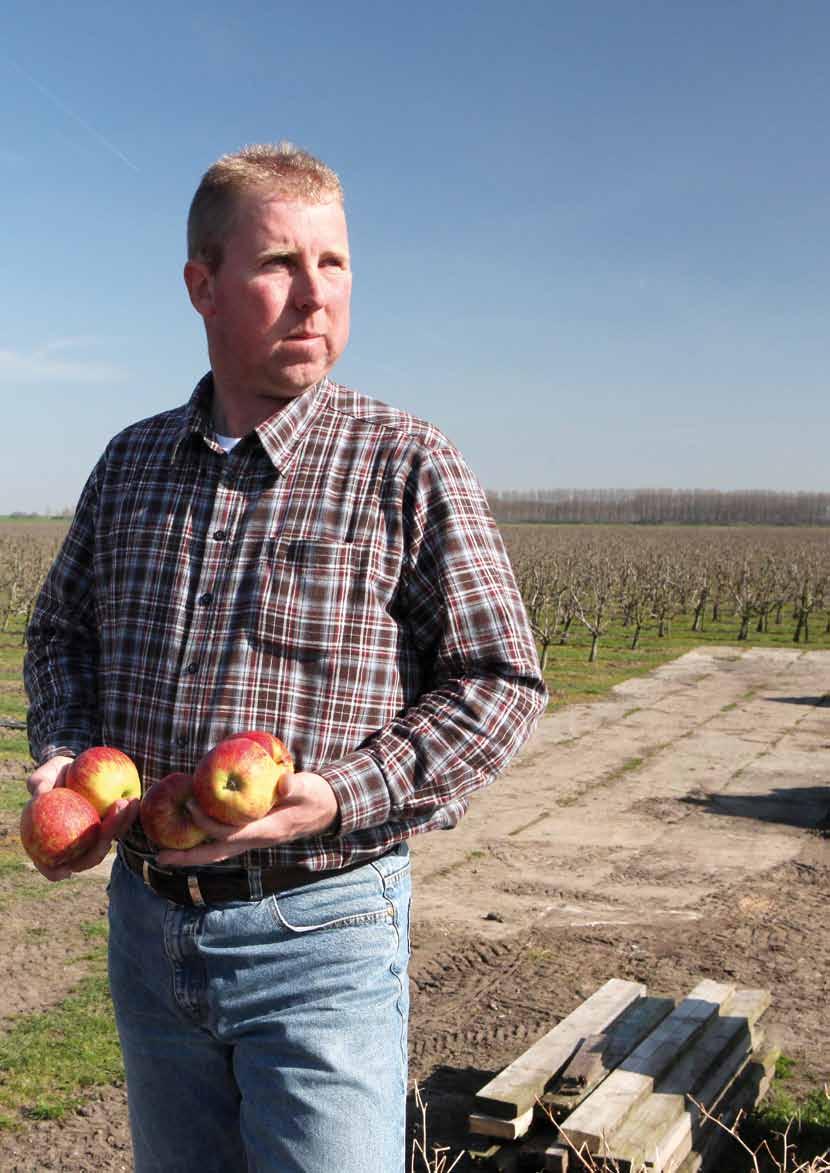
{"x": 590, "y": 239}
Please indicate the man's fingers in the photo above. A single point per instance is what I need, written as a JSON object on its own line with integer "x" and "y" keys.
{"x": 226, "y": 841}
{"x": 290, "y": 788}
{"x": 305, "y": 805}
{"x": 118, "y": 818}
{"x": 202, "y": 855}
{"x": 53, "y": 874}
{"x": 210, "y": 826}
{"x": 49, "y": 775}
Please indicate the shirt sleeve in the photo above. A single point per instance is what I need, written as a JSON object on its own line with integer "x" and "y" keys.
{"x": 483, "y": 690}
{"x": 61, "y": 663}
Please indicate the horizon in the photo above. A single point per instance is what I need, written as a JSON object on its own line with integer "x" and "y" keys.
{"x": 547, "y": 495}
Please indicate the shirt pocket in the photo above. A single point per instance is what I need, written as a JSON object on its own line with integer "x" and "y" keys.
{"x": 302, "y": 592}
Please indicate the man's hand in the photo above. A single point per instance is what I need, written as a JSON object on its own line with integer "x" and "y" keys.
{"x": 115, "y": 823}
{"x": 50, "y": 774}
{"x": 306, "y": 805}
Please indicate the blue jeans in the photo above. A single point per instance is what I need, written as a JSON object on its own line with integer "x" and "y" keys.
{"x": 266, "y": 1037}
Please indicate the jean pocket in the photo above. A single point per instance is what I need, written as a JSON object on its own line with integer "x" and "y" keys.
{"x": 356, "y": 898}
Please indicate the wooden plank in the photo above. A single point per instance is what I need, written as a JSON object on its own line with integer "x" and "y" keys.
{"x": 499, "y": 1157}
{"x": 598, "y": 1116}
{"x": 633, "y": 1025}
{"x": 484, "y": 1156}
{"x": 712, "y": 1102}
{"x": 518, "y": 1086}
{"x": 484, "y": 1125}
{"x": 685, "y": 1132}
{"x": 543, "y": 1151}
{"x": 668, "y": 1151}
{"x": 557, "y": 1158}
{"x": 654, "y": 1129}
{"x": 746, "y": 1094}
{"x": 680, "y": 1139}
{"x": 506, "y": 1160}
{"x": 585, "y": 1066}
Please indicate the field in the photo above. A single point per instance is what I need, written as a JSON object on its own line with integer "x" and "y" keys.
{"x": 666, "y": 831}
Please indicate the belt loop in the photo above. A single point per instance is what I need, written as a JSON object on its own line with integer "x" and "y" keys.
{"x": 194, "y": 890}
{"x": 253, "y": 878}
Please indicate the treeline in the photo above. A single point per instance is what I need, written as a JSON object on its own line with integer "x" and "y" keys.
{"x": 64, "y": 514}
{"x": 760, "y": 578}
{"x": 660, "y": 507}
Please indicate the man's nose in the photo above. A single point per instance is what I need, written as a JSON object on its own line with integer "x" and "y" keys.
{"x": 308, "y": 289}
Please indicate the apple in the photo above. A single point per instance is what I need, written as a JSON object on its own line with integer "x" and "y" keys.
{"x": 164, "y": 814}
{"x": 236, "y": 782}
{"x": 103, "y": 774}
{"x": 59, "y": 826}
{"x": 271, "y": 744}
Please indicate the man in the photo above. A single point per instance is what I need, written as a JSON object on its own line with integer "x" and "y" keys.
{"x": 285, "y": 554}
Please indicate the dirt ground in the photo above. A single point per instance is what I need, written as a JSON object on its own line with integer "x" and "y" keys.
{"x": 674, "y": 831}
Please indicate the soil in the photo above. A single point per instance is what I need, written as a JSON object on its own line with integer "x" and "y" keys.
{"x": 675, "y": 831}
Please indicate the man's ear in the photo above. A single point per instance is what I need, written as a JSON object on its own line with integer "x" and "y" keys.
{"x": 199, "y": 282}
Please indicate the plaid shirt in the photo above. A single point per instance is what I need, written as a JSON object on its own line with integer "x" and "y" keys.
{"x": 336, "y": 579}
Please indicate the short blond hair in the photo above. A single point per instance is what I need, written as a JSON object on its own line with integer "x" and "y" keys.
{"x": 282, "y": 167}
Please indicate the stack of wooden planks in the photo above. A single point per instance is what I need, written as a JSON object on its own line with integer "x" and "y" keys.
{"x": 629, "y": 1082}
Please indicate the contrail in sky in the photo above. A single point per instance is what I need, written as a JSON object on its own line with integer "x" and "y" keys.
{"x": 66, "y": 110}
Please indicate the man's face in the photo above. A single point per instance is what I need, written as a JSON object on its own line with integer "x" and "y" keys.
{"x": 277, "y": 309}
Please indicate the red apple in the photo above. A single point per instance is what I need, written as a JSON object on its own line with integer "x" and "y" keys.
{"x": 102, "y": 775}
{"x": 271, "y": 744}
{"x": 59, "y": 826}
{"x": 164, "y": 814}
{"x": 237, "y": 781}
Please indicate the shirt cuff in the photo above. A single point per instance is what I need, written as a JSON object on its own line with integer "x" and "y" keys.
{"x": 359, "y": 786}
{"x": 53, "y": 751}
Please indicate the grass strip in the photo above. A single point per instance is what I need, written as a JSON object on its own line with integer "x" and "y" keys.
{"x": 572, "y": 679}
{"x": 50, "y": 1059}
{"x": 14, "y": 744}
{"x": 810, "y": 1114}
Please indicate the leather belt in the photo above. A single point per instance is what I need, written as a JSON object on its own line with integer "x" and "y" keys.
{"x": 221, "y": 885}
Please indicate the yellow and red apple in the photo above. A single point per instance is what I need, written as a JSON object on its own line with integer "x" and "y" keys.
{"x": 271, "y": 744}
{"x": 236, "y": 782}
{"x": 164, "y": 814}
{"x": 102, "y": 775}
{"x": 58, "y": 827}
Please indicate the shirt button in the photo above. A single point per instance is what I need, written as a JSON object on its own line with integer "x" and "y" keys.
{"x": 181, "y": 740}
{"x": 192, "y": 667}
{"x": 206, "y": 598}
{"x": 219, "y": 535}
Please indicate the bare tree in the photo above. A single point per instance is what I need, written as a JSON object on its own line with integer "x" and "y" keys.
{"x": 592, "y": 594}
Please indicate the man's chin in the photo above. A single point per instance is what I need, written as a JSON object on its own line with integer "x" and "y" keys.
{"x": 295, "y": 379}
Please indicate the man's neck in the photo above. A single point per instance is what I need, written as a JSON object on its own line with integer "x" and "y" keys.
{"x": 237, "y": 415}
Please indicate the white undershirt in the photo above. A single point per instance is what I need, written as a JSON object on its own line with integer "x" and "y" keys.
{"x": 226, "y": 443}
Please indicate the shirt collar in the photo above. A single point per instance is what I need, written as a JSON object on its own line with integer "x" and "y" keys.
{"x": 278, "y": 435}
